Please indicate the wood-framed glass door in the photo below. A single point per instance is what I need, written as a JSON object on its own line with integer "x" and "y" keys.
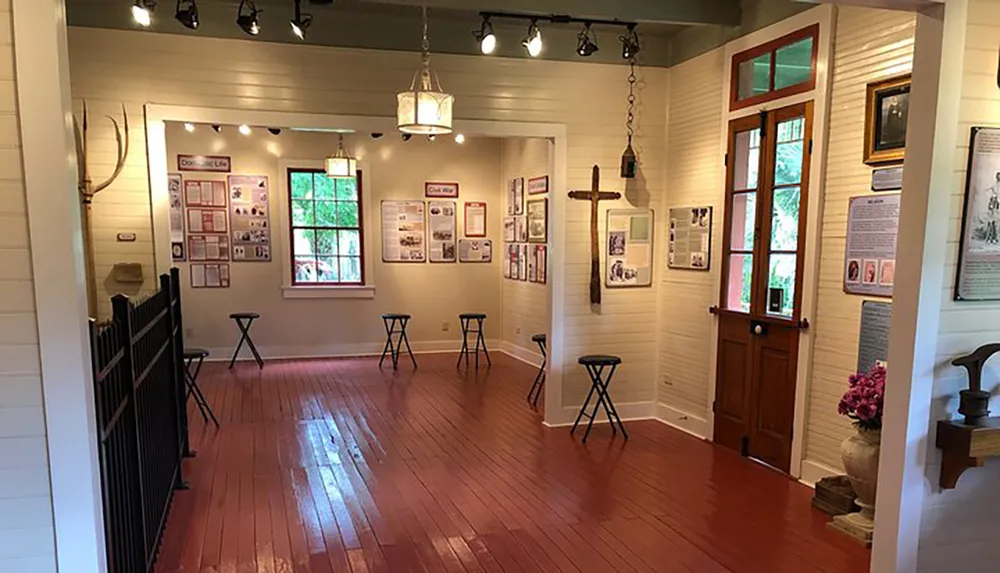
{"x": 767, "y": 174}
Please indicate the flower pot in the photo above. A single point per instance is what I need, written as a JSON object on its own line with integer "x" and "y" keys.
{"x": 860, "y": 456}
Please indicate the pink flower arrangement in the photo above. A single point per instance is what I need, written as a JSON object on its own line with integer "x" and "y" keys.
{"x": 863, "y": 400}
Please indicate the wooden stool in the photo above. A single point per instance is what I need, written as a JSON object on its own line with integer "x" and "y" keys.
{"x": 595, "y": 366}
{"x": 536, "y": 387}
{"x": 391, "y": 321}
{"x": 466, "y": 321}
{"x": 244, "y": 320}
{"x": 193, "y": 359}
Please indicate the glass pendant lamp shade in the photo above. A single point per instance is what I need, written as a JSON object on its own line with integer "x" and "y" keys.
{"x": 424, "y": 109}
{"x": 341, "y": 165}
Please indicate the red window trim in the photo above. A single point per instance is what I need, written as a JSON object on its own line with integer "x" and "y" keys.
{"x": 772, "y": 47}
{"x": 292, "y": 227}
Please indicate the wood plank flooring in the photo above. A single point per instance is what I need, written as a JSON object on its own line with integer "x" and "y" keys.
{"x": 335, "y": 466}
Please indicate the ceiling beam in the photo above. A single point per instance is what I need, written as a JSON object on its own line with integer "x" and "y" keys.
{"x": 692, "y": 12}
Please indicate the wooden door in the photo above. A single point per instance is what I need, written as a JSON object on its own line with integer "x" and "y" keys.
{"x": 759, "y": 313}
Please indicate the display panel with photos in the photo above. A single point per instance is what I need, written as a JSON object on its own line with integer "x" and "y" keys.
{"x": 870, "y": 253}
{"x": 443, "y": 240}
{"x": 537, "y": 221}
{"x": 690, "y": 241}
{"x": 978, "y": 276}
{"x": 404, "y": 232}
{"x": 629, "y": 248}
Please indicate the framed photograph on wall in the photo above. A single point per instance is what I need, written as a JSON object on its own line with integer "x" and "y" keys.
{"x": 978, "y": 276}
{"x": 438, "y": 189}
{"x": 538, "y": 185}
{"x": 538, "y": 215}
{"x": 886, "y": 110}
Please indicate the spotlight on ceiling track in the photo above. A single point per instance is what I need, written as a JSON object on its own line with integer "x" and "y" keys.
{"x": 407, "y": 136}
{"x": 485, "y": 36}
{"x": 300, "y": 22}
{"x": 533, "y": 41}
{"x": 377, "y": 135}
{"x": 432, "y": 138}
{"x": 187, "y": 14}
{"x": 274, "y": 130}
{"x": 630, "y": 43}
{"x": 142, "y": 12}
{"x": 189, "y": 127}
{"x": 586, "y": 41}
{"x": 217, "y": 128}
{"x": 459, "y": 139}
{"x": 245, "y": 129}
{"x": 249, "y": 20}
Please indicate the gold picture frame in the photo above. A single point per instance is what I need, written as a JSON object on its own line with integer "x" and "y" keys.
{"x": 886, "y": 109}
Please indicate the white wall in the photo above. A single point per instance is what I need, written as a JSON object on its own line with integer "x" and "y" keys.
{"x": 26, "y": 527}
{"x": 433, "y": 293}
{"x": 589, "y": 99}
{"x": 870, "y": 45}
{"x": 526, "y": 305}
{"x": 959, "y": 527}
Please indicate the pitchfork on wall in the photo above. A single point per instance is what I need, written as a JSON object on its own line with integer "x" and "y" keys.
{"x": 88, "y": 190}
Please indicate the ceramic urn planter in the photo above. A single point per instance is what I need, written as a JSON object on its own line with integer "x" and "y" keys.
{"x": 860, "y": 454}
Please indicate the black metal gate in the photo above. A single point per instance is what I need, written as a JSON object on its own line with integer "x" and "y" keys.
{"x": 141, "y": 420}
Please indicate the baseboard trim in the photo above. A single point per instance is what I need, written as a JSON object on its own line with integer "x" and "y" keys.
{"x": 335, "y": 350}
{"x": 683, "y": 421}
{"x": 629, "y": 411}
{"x": 520, "y": 353}
{"x": 812, "y": 472}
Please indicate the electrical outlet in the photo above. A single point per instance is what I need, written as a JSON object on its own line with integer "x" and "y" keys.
{"x": 518, "y": 330}
{"x": 445, "y": 326}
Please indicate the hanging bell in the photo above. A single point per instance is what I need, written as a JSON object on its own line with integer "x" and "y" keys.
{"x": 629, "y": 162}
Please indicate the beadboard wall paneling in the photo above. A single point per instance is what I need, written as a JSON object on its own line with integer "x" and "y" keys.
{"x": 870, "y": 45}
{"x": 959, "y": 527}
{"x": 694, "y": 136}
{"x": 108, "y": 66}
{"x": 27, "y": 537}
{"x": 525, "y": 304}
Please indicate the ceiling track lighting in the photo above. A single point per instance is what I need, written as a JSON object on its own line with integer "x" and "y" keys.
{"x": 274, "y": 130}
{"x": 586, "y": 41}
{"x": 532, "y": 42}
{"x": 217, "y": 128}
{"x": 142, "y": 12}
{"x": 485, "y": 36}
{"x": 630, "y": 43}
{"x": 300, "y": 22}
{"x": 187, "y": 14}
{"x": 249, "y": 20}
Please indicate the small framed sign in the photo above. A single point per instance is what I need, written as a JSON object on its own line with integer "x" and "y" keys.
{"x": 887, "y": 179}
{"x": 210, "y": 163}
{"x": 538, "y": 185}
{"x": 437, "y": 189}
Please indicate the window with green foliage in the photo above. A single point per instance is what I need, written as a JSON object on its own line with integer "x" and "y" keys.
{"x": 327, "y": 231}
{"x": 777, "y": 69}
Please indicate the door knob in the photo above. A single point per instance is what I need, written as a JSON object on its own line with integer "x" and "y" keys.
{"x": 758, "y": 330}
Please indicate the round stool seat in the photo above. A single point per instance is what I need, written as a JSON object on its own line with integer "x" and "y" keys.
{"x": 539, "y": 338}
{"x": 599, "y": 360}
{"x": 195, "y": 353}
{"x": 391, "y": 316}
{"x": 244, "y": 315}
{"x": 472, "y": 315}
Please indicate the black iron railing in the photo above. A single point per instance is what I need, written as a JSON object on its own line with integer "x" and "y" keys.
{"x": 141, "y": 421}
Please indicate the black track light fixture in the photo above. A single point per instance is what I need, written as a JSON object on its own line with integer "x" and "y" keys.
{"x": 187, "y": 14}
{"x": 586, "y": 41}
{"x": 532, "y": 42}
{"x": 485, "y": 36}
{"x": 142, "y": 12}
{"x": 407, "y": 136}
{"x": 300, "y": 22}
{"x": 249, "y": 19}
{"x": 217, "y": 128}
{"x": 630, "y": 43}
{"x": 274, "y": 130}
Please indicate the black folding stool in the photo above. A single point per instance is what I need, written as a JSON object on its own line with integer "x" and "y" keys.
{"x": 595, "y": 366}
{"x": 244, "y": 320}
{"x": 466, "y": 321}
{"x": 193, "y": 359}
{"x": 539, "y": 383}
{"x": 391, "y": 321}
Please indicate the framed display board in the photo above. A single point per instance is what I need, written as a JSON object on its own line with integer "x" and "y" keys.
{"x": 690, "y": 242}
{"x": 870, "y": 256}
{"x": 978, "y": 276}
{"x": 201, "y": 220}
{"x": 629, "y": 248}
{"x": 873, "y": 338}
{"x": 538, "y": 221}
{"x": 475, "y": 250}
{"x": 515, "y": 196}
{"x": 208, "y": 248}
{"x": 209, "y": 275}
{"x": 538, "y": 263}
{"x": 249, "y": 216}
{"x": 175, "y": 190}
{"x": 404, "y": 232}
{"x": 441, "y": 219}
{"x": 205, "y": 194}
{"x": 509, "y": 229}
{"x": 475, "y": 219}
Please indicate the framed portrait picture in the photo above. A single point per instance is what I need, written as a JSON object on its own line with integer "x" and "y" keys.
{"x": 538, "y": 215}
{"x": 886, "y": 110}
{"x": 438, "y": 189}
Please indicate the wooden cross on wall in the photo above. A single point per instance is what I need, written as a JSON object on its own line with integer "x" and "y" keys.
{"x": 595, "y": 195}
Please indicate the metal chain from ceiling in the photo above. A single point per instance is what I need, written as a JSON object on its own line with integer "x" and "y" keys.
{"x": 631, "y": 99}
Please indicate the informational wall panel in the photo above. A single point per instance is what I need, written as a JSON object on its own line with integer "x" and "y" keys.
{"x": 629, "y": 248}
{"x": 249, "y": 211}
{"x": 870, "y": 257}
{"x": 873, "y": 340}
{"x": 404, "y": 232}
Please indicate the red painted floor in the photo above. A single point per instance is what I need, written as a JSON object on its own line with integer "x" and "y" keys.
{"x": 332, "y": 465}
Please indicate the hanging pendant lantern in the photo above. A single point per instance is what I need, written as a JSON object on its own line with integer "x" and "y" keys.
{"x": 341, "y": 165}
{"x": 424, "y": 109}
{"x": 630, "y": 163}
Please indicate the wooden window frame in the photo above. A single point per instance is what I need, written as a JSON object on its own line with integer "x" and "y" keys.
{"x": 292, "y": 227}
{"x": 772, "y": 48}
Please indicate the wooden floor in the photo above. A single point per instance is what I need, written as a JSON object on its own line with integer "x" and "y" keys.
{"x": 332, "y": 465}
